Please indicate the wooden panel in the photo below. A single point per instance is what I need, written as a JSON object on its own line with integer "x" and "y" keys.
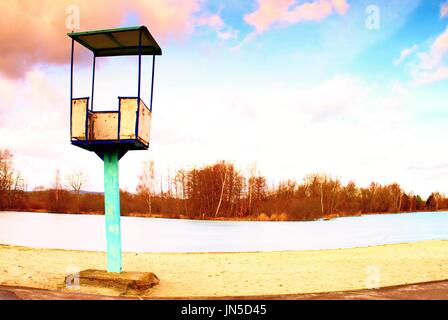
{"x": 128, "y": 109}
{"x": 79, "y": 109}
{"x": 144, "y": 123}
{"x": 98, "y": 41}
{"x": 105, "y": 126}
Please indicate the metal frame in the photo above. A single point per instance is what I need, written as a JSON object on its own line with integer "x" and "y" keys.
{"x": 152, "y": 81}
{"x": 119, "y": 119}
{"x": 138, "y": 144}
{"x": 71, "y": 84}
{"x": 93, "y": 81}
{"x": 139, "y": 80}
{"x": 87, "y": 121}
{"x": 137, "y": 139}
{"x": 101, "y": 146}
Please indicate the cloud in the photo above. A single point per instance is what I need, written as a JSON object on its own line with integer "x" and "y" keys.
{"x": 405, "y": 53}
{"x": 444, "y": 10}
{"x": 39, "y": 33}
{"x": 336, "y": 97}
{"x": 270, "y": 12}
{"x": 286, "y": 12}
{"x": 34, "y": 32}
{"x": 439, "y": 74}
{"x": 215, "y": 22}
{"x": 35, "y": 127}
{"x": 431, "y": 67}
{"x": 167, "y": 18}
{"x": 438, "y": 49}
{"x": 341, "y": 125}
{"x": 436, "y": 166}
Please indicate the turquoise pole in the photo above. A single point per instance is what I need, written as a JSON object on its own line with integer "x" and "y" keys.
{"x": 112, "y": 210}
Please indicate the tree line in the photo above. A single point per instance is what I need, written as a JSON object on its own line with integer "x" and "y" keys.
{"x": 215, "y": 191}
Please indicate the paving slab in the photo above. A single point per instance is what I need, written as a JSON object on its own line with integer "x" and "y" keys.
{"x": 436, "y": 290}
{"x": 126, "y": 280}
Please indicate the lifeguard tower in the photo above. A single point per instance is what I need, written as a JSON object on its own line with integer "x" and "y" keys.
{"x": 110, "y": 134}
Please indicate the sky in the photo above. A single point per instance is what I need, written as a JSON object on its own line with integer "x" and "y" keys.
{"x": 355, "y": 89}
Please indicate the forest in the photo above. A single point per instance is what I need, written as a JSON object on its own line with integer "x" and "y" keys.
{"x": 215, "y": 191}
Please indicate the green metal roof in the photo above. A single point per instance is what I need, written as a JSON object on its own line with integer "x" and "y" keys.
{"x": 117, "y": 42}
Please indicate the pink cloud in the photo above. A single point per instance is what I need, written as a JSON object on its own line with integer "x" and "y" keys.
{"x": 39, "y": 33}
{"x": 214, "y": 21}
{"x": 437, "y": 75}
{"x": 167, "y": 18}
{"x": 439, "y": 49}
{"x": 432, "y": 67}
{"x": 405, "y": 53}
{"x": 33, "y": 32}
{"x": 272, "y": 12}
{"x": 440, "y": 46}
{"x": 444, "y": 10}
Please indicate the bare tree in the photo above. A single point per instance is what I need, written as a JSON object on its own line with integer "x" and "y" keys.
{"x": 314, "y": 183}
{"x": 335, "y": 189}
{"x": 6, "y": 176}
{"x": 146, "y": 183}
{"x": 12, "y": 183}
{"x": 411, "y": 200}
{"x": 161, "y": 186}
{"x": 76, "y": 181}
{"x": 252, "y": 171}
{"x": 180, "y": 182}
{"x": 17, "y": 189}
{"x": 169, "y": 183}
{"x": 57, "y": 185}
{"x": 224, "y": 178}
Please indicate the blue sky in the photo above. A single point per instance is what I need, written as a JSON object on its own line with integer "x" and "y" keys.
{"x": 294, "y": 90}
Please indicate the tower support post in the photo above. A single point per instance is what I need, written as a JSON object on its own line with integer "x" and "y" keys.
{"x": 112, "y": 210}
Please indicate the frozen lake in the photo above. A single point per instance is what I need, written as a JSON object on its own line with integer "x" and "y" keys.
{"x": 87, "y": 232}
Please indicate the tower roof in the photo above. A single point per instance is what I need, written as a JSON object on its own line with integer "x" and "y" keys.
{"x": 118, "y": 42}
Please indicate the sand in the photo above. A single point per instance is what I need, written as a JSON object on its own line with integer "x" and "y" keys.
{"x": 238, "y": 274}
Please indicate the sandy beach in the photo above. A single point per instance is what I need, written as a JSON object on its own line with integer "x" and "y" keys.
{"x": 238, "y": 274}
